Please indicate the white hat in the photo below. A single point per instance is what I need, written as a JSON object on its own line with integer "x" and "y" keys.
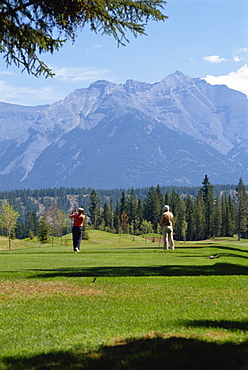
{"x": 166, "y": 208}
{"x": 80, "y": 210}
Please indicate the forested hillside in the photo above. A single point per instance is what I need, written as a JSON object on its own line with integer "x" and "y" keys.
{"x": 200, "y": 212}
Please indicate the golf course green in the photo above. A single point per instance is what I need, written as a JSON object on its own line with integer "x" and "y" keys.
{"x": 124, "y": 303}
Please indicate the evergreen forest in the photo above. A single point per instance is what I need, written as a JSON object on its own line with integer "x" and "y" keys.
{"x": 200, "y": 212}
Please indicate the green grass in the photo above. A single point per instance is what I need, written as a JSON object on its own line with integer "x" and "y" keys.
{"x": 124, "y": 303}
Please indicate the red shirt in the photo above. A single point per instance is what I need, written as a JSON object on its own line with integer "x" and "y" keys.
{"x": 78, "y": 219}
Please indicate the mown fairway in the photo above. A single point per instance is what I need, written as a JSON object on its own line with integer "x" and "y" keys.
{"x": 124, "y": 304}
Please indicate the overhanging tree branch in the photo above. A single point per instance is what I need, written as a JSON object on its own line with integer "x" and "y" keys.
{"x": 28, "y": 28}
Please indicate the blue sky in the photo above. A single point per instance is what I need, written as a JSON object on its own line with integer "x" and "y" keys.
{"x": 201, "y": 38}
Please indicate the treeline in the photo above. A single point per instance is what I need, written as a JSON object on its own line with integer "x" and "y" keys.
{"x": 197, "y": 217}
{"x": 200, "y": 212}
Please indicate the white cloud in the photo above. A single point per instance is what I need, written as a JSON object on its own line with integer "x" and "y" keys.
{"x": 237, "y": 58}
{"x": 80, "y": 74}
{"x": 214, "y": 59}
{"x": 23, "y": 95}
{"x": 14, "y": 88}
{"x": 192, "y": 60}
{"x": 7, "y": 73}
{"x": 235, "y": 80}
{"x": 241, "y": 50}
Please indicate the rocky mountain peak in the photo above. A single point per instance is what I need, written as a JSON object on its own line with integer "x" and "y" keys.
{"x": 134, "y": 87}
{"x": 137, "y": 134}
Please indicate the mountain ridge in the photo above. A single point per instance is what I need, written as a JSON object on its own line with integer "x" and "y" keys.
{"x": 129, "y": 135}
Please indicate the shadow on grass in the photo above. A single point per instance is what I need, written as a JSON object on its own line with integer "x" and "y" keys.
{"x": 220, "y": 324}
{"x": 168, "y": 270}
{"x": 151, "y": 352}
{"x": 232, "y": 255}
{"x": 216, "y": 255}
{"x": 215, "y": 246}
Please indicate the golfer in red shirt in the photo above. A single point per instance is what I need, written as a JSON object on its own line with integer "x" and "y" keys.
{"x": 79, "y": 217}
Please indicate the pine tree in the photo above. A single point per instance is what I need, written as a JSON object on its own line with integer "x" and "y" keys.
{"x": 180, "y": 225}
{"x": 111, "y": 208}
{"x": 232, "y": 219}
{"x": 217, "y": 219}
{"x": 242, "y": 209}
{"x": 140, "y": 214}
{"x": 153, "y": 205}
{"x": 167, "y": 198}
{"x": 207, "y": 193}
{"x": 190, "y": 232}
{"x": 107, "y": 216}
{"x": 94, "y": 209}
{"x": 224, "y": 215}
{"x": 148, "y": 205}
{"x": 134, "y": 218}
{"x": 85, "y": 234}
{"x": 228, "y": 216}
{"x": 44, "y": 229}
{"x": 117, "y": 217}
{"x": 174, "y": 202}
{"x": 31, "y": 224}
{"x": 160, "y": 199}
{"x": 123, "y": 203}
{"x": 20, "y": 231}
{"x": 199, "y": 215}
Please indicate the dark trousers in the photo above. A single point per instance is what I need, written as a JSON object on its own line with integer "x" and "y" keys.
{"x": 76, "y": 236}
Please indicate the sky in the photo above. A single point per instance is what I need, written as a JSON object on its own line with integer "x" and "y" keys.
{"x": 205, "y": 39}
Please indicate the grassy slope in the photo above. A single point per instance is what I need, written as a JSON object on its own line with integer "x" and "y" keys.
{"x": 124, "y": 304}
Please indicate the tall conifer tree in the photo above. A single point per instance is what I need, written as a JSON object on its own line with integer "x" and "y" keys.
{"x": 199, "y": 214}
{"x": 180, "y": 224}
{"x": 94, "y": 208}
{"x": 242, "y": 209}
{"x": 167, "y": 198}
{"x": 228, "y": 216}
{"x": 190, "y": 232}
{"x": 133, "y": 213}
{"x": 232, "y": 219}
{"x": 123, "y": 203}
{"x": 44, "y": 229}
{"x": 217, "y": 221}
{"x": 207, "y": 193}
{"x": 107, "y": 215}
